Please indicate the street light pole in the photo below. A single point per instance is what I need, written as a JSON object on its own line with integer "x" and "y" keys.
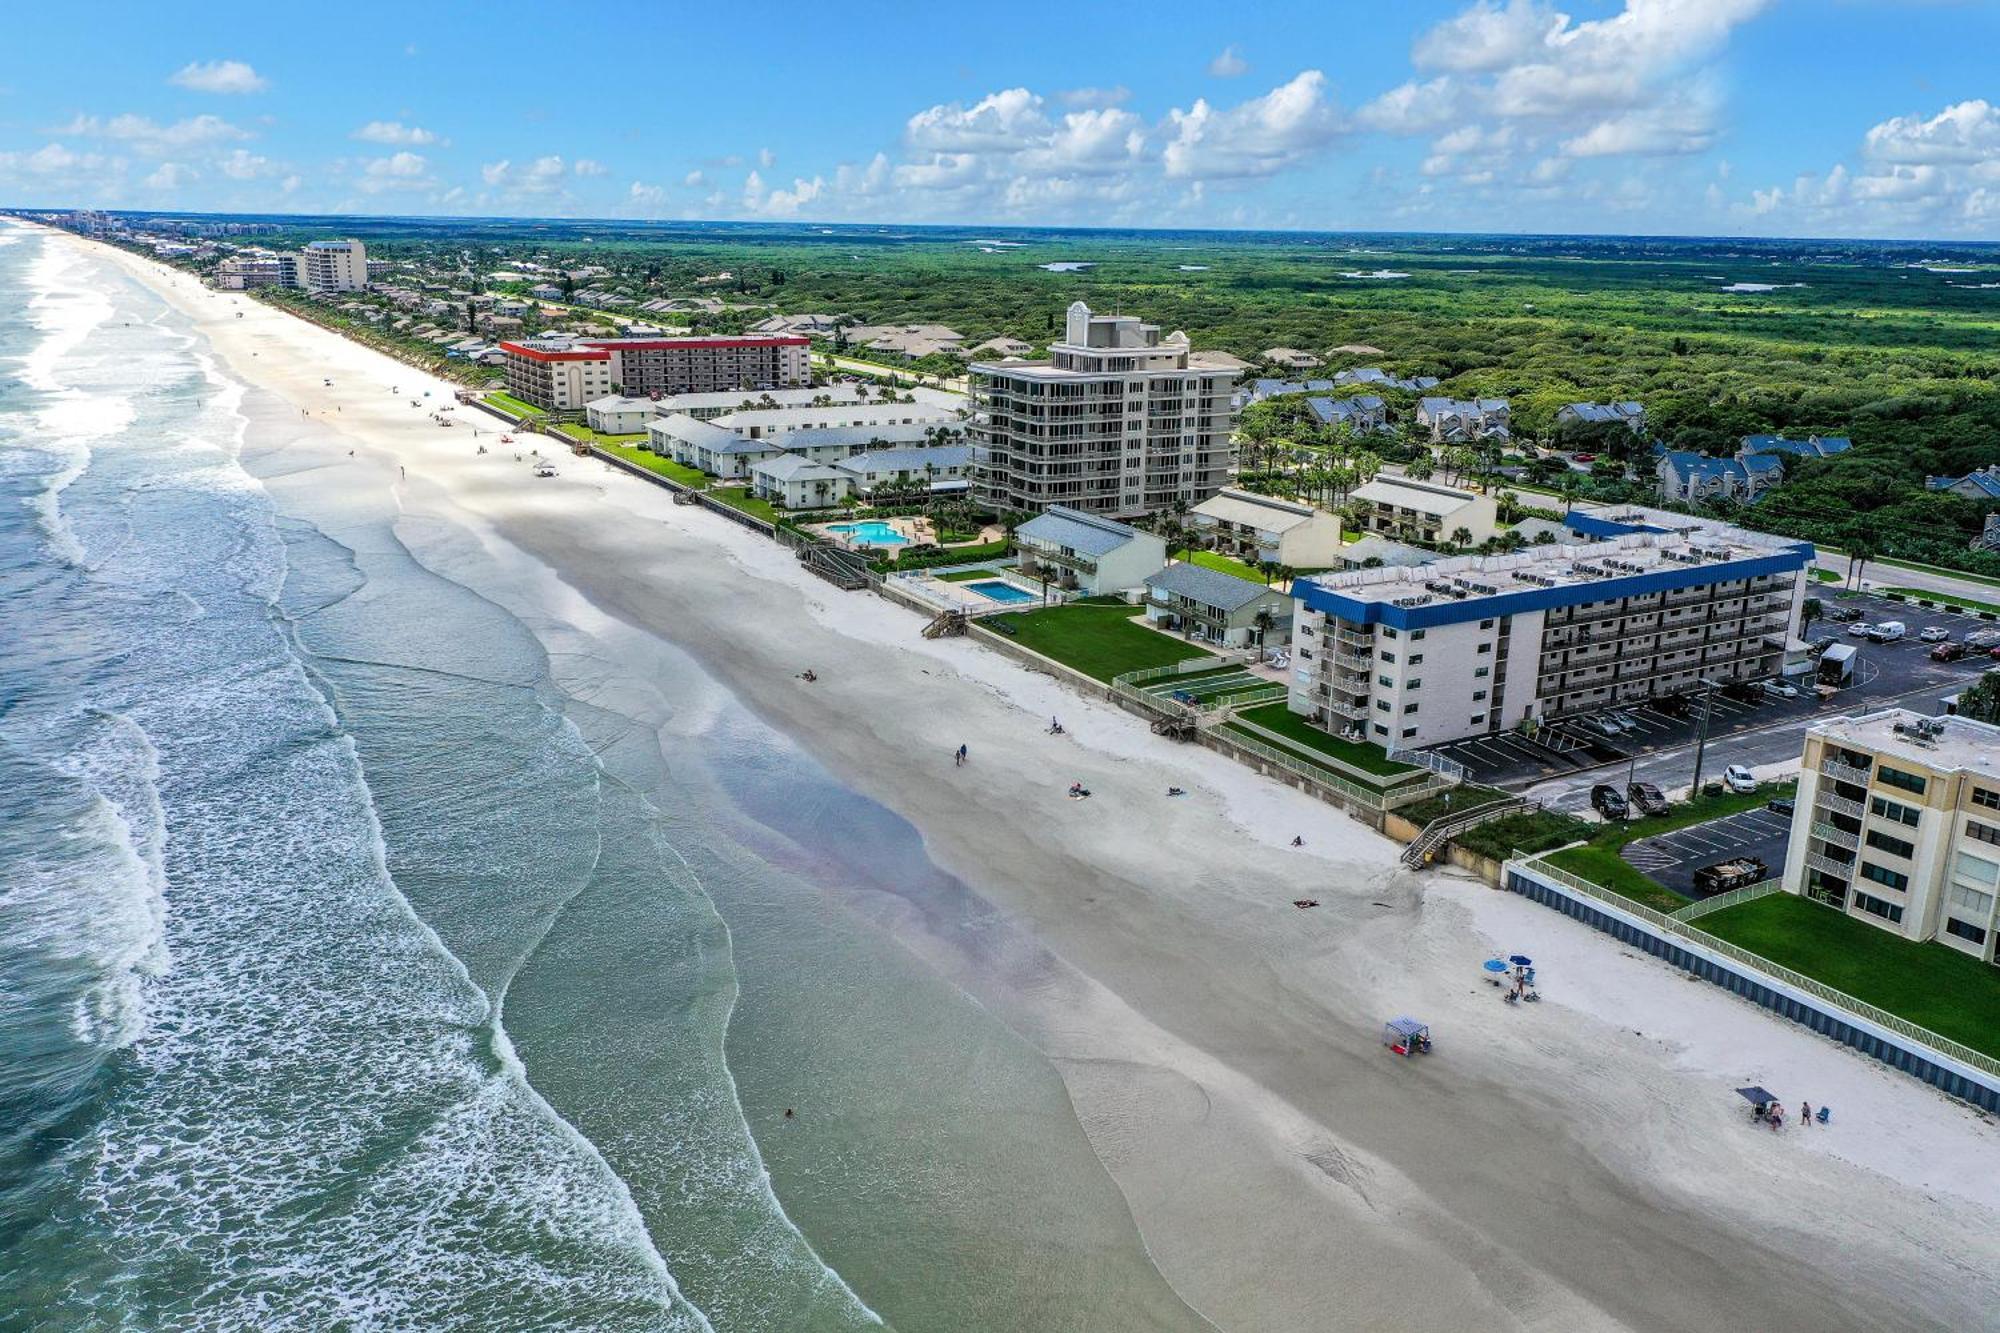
{"x": 1701, "y": 737}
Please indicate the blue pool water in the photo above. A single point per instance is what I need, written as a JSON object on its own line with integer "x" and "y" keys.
{"x": 1000, "y": 591}
{"x": 871, "y": 532}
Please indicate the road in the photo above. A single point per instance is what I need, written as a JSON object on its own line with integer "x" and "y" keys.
{"x": 1879, "y": 575}
{"x": 880, "y": 371}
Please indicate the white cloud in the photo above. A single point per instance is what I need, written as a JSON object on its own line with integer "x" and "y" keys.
{"x": 219, "y": 76}
{"x": 398, "y": 134}
{"x": 586, "y": 166}
{"x": 51, "y": 159}
{"x": 1229, "y": 64}
{"x": 1116, "y": 95}
{"x": 782, "y": 203}
{"x": 766, "y": 158}
{"x": 1967, "y": 132}
{"x": 1258, "y": 138}
{"x": 646, "y": 197}
{"x": 493, "y": 173}
{"x": 693, "y": 180}
{"x": 243, "y": 165}
{"x": 1004, "y": 121}
{"x": 168, "y": 176}
{"x": 1920, "y": 176}
{"x": 398, "y": 172}
{"x": 154, "y": 139}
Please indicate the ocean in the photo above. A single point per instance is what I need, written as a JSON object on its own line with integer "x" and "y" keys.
{"x": 378, "y": 951}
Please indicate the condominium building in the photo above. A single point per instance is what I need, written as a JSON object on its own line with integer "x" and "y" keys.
{"x": 333, "y": 266}
{"x": 552, "y": 372}
{"x": 1639, "y": 605}
{"x": 1898, "y": 825}
{"x": 1425, "y": 511}
{"x": 1117, "y": 421}
{"x": 1262, "y": 529}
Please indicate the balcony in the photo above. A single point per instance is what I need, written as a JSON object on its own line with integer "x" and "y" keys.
{"x": 1351, "y": 711}
{"x": 1353, "y": 660}
{"x": 1826, "y": 865}
{"x": 1840, "y": 772}
{"x": 1839, "y": 837}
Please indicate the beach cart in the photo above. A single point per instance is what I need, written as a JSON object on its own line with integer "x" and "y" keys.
{"x": 1407, "y": 1036}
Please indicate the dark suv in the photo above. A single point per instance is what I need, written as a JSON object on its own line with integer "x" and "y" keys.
{"x": 1605, "y": 799}
{"x": 1646, "y": 798}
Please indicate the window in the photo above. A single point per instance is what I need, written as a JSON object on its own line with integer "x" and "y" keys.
{"x": 1385, "y": 682}
{"x": 1965, "y": 930}
{"x": 1408, "y": 709}
{"x": 1896, "y": 777}
{"x": 1381, "y": 705}
{"x": 1887, "y": 911}
{"x": 1987, "y": 797}
{"x": 1477, "y": 695}
{"x": 1883, "y": 842}
{"x": 1416, "y": 659}
{"x": 1389, "y": 658}
{"x": 1477, "y": 719}
{"x": 1409, "y": 732}
{"x": 1486, "y": 624}
{"x": 1388, "y": 632}
{"x": 1887, "y": 809}
{"x": 1979, "y": 832}
{"x": 1894, "y": 879}
{"x": 1480, "y": 673}
{"x": 1976, "y": 871}
{"x": 1485, "y": 647}
{"x": 1417, "y": 633}
{"x": 1963, "y": 898}
{"x": 1414, "y": 684}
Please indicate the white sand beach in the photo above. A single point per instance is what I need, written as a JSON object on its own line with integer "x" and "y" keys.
{"x": 1583, "y": 1163}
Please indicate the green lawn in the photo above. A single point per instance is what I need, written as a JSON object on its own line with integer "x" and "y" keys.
{"x": 1944, "y": 990}
{"x": 1702, "y": 808}
{"x": 967, "y": 575}
{"x": 736, "y": 497}
{"x": 1946, "y": 599}
{"x": 1100, "y": 641}
{"x": 1603, "y": 867}
{"x": 1825, "y": 575}
{"x": 653, "y": 462}
{"x": 1286, "y": 723}
{"x": 509, "y": 403}
{"x": 1227, "y": 564}
{"x": 1528, "y": 831}
{"x": 1987, "y": 579}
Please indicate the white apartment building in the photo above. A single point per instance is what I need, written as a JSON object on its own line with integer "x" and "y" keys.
{"x": 333, "y": 266}
{"x": 1097, "y": 556}
{"x": 1642, "y": 605}
{"x": 536, "y": 368}
{"x": 556, "y": 374}
{"x": 1425, "y": 511}
{"x": 1898, "y": 825}
{"x": 1117, "y": 421}
{"x": 1263, "y": 529}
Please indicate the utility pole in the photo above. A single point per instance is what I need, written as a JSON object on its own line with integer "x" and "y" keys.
{"x": 1701, "y": 736}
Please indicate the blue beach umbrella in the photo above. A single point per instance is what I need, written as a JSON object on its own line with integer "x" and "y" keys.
{"x": 1521, "y": 960}
{"x": 1495, "y": 966}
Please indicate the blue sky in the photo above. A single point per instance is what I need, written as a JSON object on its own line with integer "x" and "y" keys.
{"x": 1800, "y": 117}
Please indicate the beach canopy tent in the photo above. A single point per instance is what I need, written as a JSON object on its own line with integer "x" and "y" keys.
{"x": 1406, "y": 1036}
{"x": 1757, "y": 1096}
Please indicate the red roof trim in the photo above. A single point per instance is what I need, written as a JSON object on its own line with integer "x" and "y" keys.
{"x": 541, "y": 354}
{"x": 670, "y": 344}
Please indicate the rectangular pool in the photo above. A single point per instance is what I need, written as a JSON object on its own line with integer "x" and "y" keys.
{"x": 999, "y": 590}
{"x": 872, "y": 532}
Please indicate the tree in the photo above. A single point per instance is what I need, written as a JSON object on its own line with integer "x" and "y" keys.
{"x": 471, "y": 318}
{"x": 1461, "y": 536}
{"x": 1264, "y": 620}
{"x": 1810, "y": 610}
{"x": 1420, "y": 468}
{"x": 1980, "y": 700}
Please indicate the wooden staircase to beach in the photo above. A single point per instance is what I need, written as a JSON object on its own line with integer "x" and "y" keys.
{"x": 839, "y": 566}
{"x": 946, "y": 625}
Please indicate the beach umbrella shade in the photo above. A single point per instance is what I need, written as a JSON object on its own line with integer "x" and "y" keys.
{"x": 1758, "y": 1096}
{"x": 1520, "y": 960}
{"x": 1495, "y": 965}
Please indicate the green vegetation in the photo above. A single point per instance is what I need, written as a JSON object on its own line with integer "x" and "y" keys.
{"x": 736, "y": 497}
{"x": 1945, "y": 599}
{"x": 1824, "y": 575}
{"x": 1603, "y": 867}
{"x": 1948, "y": 992}
{"x": 926, "y": 557}
{"x": 1216, "y": 560}
{"x": 968, "y": 575}
{"x": 1458, "y": 799}
{"x": 1101, "y": 640}
{"x": 653, "y": 462}
{"x": 1530, "y": 831}
{"x": 508, "y": 403}
{"x": 1281, "y": 720}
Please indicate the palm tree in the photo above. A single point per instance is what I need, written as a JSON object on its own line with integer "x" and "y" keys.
{"x": 1420, "y": 468}
{"x": 1461, "y": 536}
{"x": 1264, "y": 620}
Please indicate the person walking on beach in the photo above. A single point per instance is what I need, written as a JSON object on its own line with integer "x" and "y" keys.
{"x": 961, "y": 756}
{"x": 1805, "y": 1113}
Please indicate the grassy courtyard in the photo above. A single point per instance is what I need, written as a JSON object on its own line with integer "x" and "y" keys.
{"x": 1099, "y": 640}
{"x": 653, "y": 462}
{"x": 1226, "y": 564}
{"x": 508, "y": 403}
{"x": 1280, "y": 719}
{"x": 1950, "y": 993}
{"x": 1600, "y": 862}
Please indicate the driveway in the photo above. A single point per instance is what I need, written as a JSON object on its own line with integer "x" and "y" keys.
{"x": 1672, "y": 858}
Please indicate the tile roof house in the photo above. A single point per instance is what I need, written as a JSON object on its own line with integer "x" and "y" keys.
{"x": 1813, "y": 446}
{"x": 1691, "y": 477}
{"x": 1453, "y": 421}
{"x": 1095, "y": 554}
{"x": 797, "y": 482}
{"x": 1291, "y": 358}
{"x": 946, "y": 468}
{"x": 1425, "y": 511}
{"x": 1377, "y": 375}
{"x": 1363, "y": 413}
{"x": 1264, "y": 529}
{"x": 1219, "y": 608}
{"x": 1003, "y": 346}
{"x": 1983, "y": 485}
{"x": 1626, "y": 414}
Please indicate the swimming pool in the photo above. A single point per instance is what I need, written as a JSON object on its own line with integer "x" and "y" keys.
{"x": 871, "y": 532}
{"x": 998, "y": 590}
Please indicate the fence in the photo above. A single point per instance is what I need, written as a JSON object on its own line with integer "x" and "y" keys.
{"x": 1436, "y": 763}
{"x": 1916, "y": 1050}
{"x": 1268, "y": 737}
{"x": 1748, "y": 893}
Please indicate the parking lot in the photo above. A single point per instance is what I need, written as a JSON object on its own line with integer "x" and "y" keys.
{"x": 1672, "y": 858}
{"x": 1752, "y": 731}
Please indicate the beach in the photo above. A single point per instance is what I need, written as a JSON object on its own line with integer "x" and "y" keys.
{"x": 1584, "y": 1164}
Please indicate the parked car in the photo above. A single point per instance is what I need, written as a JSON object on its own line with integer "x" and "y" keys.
{"x": 1646, "y": 798}
{"x": 1586, "y": 458}
{"x": 1844, "y": 615}
{"x": 1949, "y": 652}
{"x": 1603, "y": 726}
{"x": 1935, "y": 634}
{"x": 1781, "y": 805}
{"x": 1604, "y": 799}
{"x": 1623, "y": 721}
{"x": 1778, "y": 689}
{"x": 1675, "y": 705}
{"x": 1824, "y": 642}
{"x": 1889, "y": 631}
{"x": 1744, "y": 691}
{"x": 1738, "y": 779}
{"x": 1983, "y": 638}
{"x": 1860, "y": 629}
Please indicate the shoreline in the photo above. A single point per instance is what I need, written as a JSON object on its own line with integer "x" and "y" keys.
{"x": 1217, "y": 1044}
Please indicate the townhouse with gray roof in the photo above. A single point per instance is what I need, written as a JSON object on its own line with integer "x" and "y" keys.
{"x": 1213, "y": 607}
{"x": 1089, "y": 552}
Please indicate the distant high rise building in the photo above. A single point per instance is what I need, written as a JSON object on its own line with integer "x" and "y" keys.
{"x": 333, "y": 266}
{"x": 1117, "y": 421}
{"x": 563, "y": 374}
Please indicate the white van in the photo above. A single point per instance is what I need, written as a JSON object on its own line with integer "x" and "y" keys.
{"x": 1887, "y": 632}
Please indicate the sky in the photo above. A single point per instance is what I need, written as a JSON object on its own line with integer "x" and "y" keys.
{"x": 1703, "y": 117}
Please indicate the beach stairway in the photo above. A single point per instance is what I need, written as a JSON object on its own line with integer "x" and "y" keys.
{"x": 946, "y": 625}
{"x": 1428, "y": 843}
{"x": 1177, "y": 728}
{"x": 839, "y": 566}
